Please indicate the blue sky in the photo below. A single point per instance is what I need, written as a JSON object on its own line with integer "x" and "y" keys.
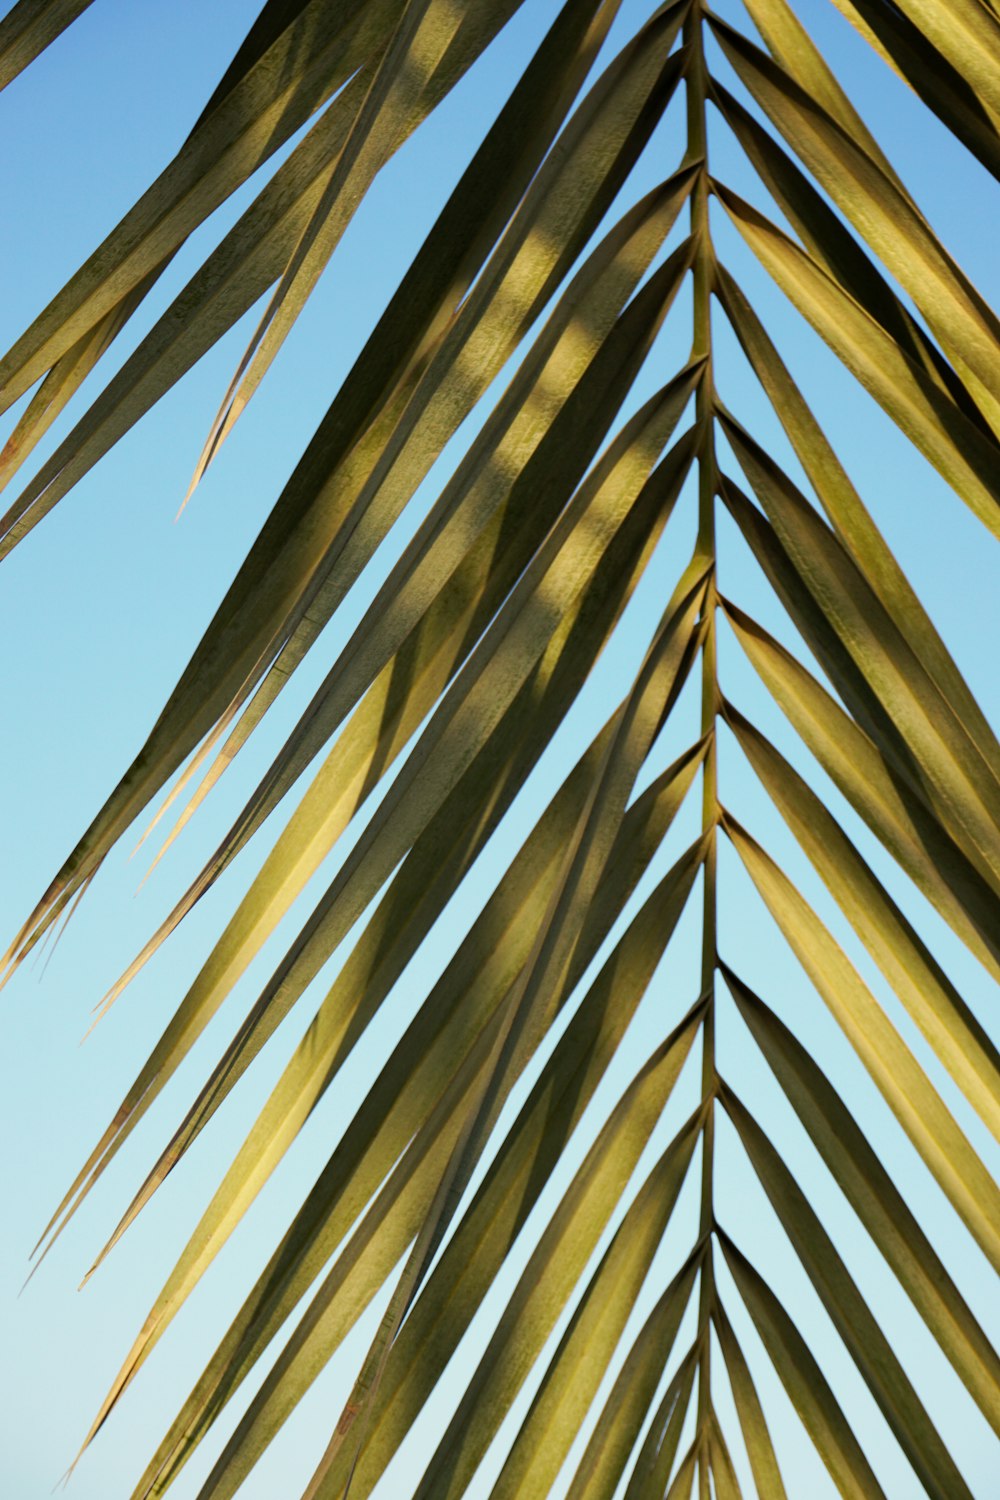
{"x": 101, "y": 608}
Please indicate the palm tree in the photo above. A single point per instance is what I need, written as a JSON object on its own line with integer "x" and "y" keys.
{"x": 536, "y": 308}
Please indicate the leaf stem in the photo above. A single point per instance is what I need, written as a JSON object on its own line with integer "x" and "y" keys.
{"x": 703, "y": 270}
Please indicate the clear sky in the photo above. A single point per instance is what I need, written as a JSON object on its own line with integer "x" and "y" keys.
{"x": 100, "y": 609}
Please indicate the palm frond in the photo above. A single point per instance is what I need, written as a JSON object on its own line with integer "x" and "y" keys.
{"x": 536, "y": 1182}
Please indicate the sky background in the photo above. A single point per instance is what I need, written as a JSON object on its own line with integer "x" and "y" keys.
{"x": 101, "y": 608}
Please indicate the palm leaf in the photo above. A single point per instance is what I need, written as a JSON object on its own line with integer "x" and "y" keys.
{"x": 524, "y": 1191}
{"x": 29, "y": 27}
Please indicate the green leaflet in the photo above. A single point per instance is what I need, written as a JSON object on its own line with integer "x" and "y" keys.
{"x": 904, "y": 959}
{"x": 956, "y": 448}
{"x": 363, "y": 1265}
{"x": 29, "y": 27}
{"x": 430, "y": 49}
{"x": 910, "y": 833}
{"x": 598, "y": 1320}
{"x": 727, "y": 1486}
{"x": 72, "y": 368}
{"x": 273, "y": 18}
{"x": 968, "y": 35}
{"x": 408, "y": 1368}
{"x": 760, "y": 1450}
{"x": 851, "y": 521}
{"x": 655, "y": 1462}
{"x": 471, "y": 1259}
{"x": 903, "y": 1084}
{"x": 335, "y": 485}
{"x": 60, "y": 384}
{"x": 303, "y": 66}
{"x": 915, "y": 724}
{"x": 562, "y": 1252}
{"x": 851, "y": 1315}
{"x": 791, "y": 45}
{"x": 870, "y": 662}
{"x": 801, "y": 1376}
{"x": 885, "y": 215}
{"x": 942, "y": 87}
{"x": 233, "y": 277}
{"x": 877, "y": 1201}
{"x": 680, "y": 1488}
{"x": 832, "y": 245}
{"x": 605, "y": 1458}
